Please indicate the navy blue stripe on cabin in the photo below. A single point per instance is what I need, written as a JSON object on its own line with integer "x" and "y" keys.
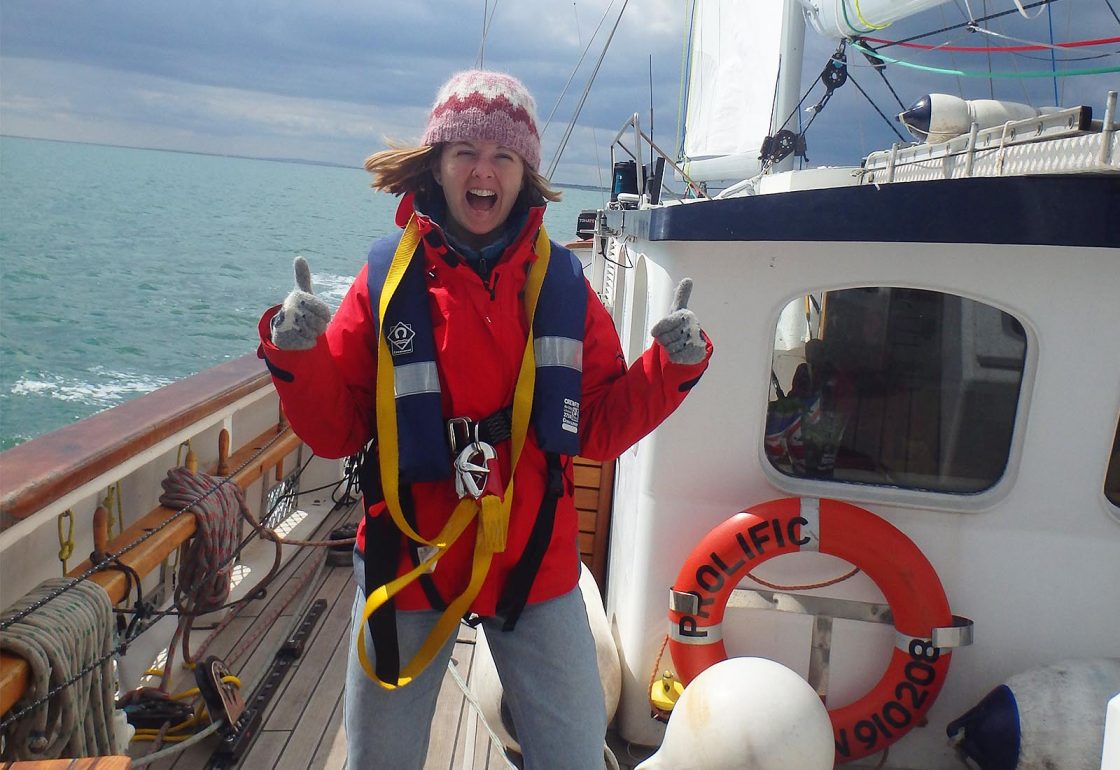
{"x": 1042, "y": 210}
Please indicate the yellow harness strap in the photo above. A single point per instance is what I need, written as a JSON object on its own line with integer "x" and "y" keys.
{"x": 492, "y": 511}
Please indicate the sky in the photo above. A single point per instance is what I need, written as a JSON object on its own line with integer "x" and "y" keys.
{"x": 333, "y": 80}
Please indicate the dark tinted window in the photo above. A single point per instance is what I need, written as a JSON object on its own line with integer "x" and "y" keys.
{"x": 896, "y": 387}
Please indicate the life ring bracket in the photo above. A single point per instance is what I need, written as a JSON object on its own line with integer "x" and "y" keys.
{"x": 926, "y": 631}
{"x": 957, "y": 635}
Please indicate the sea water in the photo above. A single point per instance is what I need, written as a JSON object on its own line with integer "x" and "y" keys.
{"x": 123, "y": 270}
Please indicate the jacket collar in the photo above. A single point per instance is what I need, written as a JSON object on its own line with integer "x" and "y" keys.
{"x": 429, "y": 227}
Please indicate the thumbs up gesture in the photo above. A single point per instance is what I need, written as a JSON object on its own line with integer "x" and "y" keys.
{"x": 303, "y": 316}
{"x": 679, "y": 332}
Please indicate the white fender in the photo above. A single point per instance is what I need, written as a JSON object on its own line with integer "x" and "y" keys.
{"x": 1052, "y": 716}
{"x": 1110, "y": 757}
{"x": 487, "y": 688}
{"x": 940, "y": 117}
{"x": 747, "y": 714}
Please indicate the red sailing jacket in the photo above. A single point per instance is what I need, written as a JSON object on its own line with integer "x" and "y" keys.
{"x": 327, "y": 394}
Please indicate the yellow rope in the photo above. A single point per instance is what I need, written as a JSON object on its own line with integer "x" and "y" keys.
{"x": 865, "y": 22}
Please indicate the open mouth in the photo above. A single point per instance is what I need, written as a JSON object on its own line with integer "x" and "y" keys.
{"x": 482, "y": 200}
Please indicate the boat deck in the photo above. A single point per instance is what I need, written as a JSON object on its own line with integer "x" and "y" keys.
{"x": 302, "y": 724}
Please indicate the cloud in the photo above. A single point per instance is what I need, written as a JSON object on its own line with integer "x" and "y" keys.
{"x": 329, "y": 81}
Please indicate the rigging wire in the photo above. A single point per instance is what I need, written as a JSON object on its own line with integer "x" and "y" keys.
{"x": 998, "y": 49}
{"x": 485, "y": 31}
{"x": 871, "y": 101}
{"x": 880, "y": 67}
{"x": 1113, "y": 11}
{"x": 970, "y": 23}
{"x": 977, "y": 74}
{"x": 564, "y": 90}
{"x": 586, "y": 91}
{"x": 1053, "y": 62}
{"x": 686, "y": 72}
{"x": 594, "y": 132}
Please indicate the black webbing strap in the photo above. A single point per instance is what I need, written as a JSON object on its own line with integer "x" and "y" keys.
{"x": 520, "y": 579}
{"x": 383, "y": 541}
{"x": 426, "y": 583}
{"x": 496, "y": 428}
{"x": 381, "y": 558}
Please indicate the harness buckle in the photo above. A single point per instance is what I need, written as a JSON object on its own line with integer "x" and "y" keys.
{"x": 472, "y": 468}
{"x": 461, "y": 431}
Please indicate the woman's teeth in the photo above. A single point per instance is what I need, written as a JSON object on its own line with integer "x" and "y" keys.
{"x": 482, "y": 199}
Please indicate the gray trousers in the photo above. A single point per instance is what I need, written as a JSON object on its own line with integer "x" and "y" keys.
{"x": 548, "y": 670}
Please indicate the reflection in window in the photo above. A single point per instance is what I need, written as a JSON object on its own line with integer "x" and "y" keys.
{"x": 897, "y": 387}
{"x": 1112, "y": 475}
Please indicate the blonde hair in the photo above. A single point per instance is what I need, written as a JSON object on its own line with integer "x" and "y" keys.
{"x": 403, "y": 169}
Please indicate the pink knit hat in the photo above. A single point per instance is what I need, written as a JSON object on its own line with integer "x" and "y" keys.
{"x": 489, "y": 106}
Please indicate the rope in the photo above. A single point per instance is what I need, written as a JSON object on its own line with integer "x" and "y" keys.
{"x": 35, "y": 602}
{"x": 71, "y": 583}
{"x": 209, "y": 561}
{"x": 809, "y": 586}
{"x": 976, "y": 74}
{"x": 65, "y": 645}
{"x": 207, "y": 566}
{"x": 994, "y": 49}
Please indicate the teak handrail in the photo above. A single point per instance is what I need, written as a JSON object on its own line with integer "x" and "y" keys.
{"x": 52, "y": 465}
{"x": 38, "y": 472}
{"x": 14, "y": 670}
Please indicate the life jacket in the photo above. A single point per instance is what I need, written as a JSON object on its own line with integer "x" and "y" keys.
{"x": 422, "y": 446}
{"x": 557, "y": 341}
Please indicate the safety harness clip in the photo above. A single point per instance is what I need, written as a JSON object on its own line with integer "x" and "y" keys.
{"x": 472, "y": 469}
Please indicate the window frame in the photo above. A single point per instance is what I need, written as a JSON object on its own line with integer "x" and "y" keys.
{"x": 954, "y": 502}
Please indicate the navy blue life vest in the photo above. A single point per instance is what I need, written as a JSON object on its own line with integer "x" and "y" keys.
{"x": 558, "y": 347}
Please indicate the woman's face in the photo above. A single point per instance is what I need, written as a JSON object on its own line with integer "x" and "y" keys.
{"x": 481, "y": 181}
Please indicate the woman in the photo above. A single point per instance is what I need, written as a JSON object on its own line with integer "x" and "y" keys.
{"x": 474, "y": 352}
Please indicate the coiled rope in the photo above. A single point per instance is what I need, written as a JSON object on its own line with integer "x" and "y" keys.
{"x": 27, "y": 611}
{"x": 206, "y": 569}
{"x": 58, "y": 641}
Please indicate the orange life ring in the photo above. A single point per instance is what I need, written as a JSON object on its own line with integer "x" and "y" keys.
{"x": 909, "y": 583}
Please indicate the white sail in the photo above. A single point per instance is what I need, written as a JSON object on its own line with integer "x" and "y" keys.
{"x": 851, "y": 18}
{"x": 736, "y": 86}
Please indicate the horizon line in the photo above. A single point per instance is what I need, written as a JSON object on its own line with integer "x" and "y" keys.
{"x": 302, "y": 161}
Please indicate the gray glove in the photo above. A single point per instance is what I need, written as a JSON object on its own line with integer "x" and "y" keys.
{"x": 303, "y": 316}
{"x": 679, "y": 332}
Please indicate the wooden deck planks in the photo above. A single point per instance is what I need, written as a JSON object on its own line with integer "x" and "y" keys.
{"x": 287, "y": 707}
{"x": 331, "y": 753}
{"x": 327, "y": 695}
{"x": 302, "y": 728}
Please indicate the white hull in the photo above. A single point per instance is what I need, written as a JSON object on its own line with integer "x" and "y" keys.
{"x": 1034, "y": 561}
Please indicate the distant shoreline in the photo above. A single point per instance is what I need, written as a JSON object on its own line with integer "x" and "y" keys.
{"x": 301, "y": 161}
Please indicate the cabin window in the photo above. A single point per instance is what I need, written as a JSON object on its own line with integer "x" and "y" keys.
{"x": 1112, "y": 475}
{"x": 905, "y": 388}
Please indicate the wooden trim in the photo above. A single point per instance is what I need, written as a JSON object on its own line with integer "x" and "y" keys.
{"x": 14, "y": 671}
{"x": 40, "y": 471}
{"x": 603, "y": 526}
{"x": 87, "y": 763}
{"x": 593, "y": 494}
